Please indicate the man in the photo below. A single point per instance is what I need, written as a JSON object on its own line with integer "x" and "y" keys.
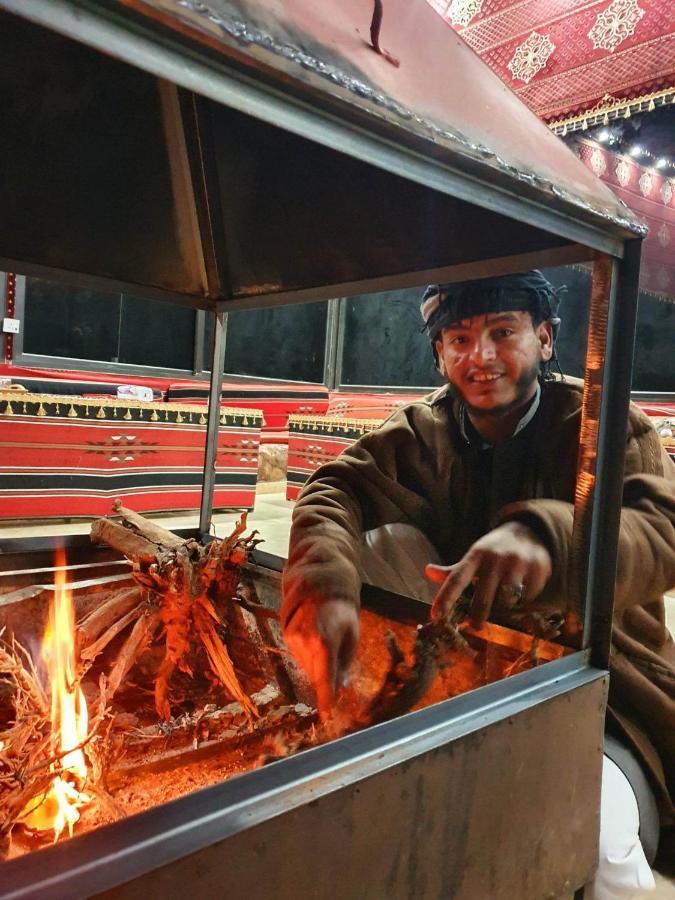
{"x": 480, "y": 475}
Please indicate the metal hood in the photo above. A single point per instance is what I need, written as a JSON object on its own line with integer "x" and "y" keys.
{"x": 228, "y": 154}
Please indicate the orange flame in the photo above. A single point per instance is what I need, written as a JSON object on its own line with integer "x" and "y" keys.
{"x": 59, "y": 807}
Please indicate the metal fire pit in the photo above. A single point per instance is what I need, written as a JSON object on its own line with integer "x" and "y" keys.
{"x": 209, "y": 153}
{"x": 445, "y": 801}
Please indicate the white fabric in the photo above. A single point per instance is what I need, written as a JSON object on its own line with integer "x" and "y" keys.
{"x": 623, "y": 870}
{"x": 393, "y": 557}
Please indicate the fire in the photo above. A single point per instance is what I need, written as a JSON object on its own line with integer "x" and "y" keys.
{"x": 59, "y": 807}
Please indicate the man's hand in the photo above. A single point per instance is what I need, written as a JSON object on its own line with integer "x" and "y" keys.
{"x": 508, "y": 563}
{"x": 322, "y": 635}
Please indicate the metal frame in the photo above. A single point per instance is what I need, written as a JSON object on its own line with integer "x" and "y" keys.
{"x": 622, "y": 303}
{"x": 110, "y": 856}
{"x": 213, "y": 423}
{"x": 166, "y": 58}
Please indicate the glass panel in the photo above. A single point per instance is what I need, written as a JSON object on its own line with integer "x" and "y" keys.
{"x": 654, "y": 360}
{"x": 156, "y": 334}
{"x": 70, "y": 322}
{"x": 574, "y": 306}
{"x": 383, "y": 344}
{"x": 286, "y": 342}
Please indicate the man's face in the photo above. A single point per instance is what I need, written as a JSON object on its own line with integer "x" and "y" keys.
{"x": 492, "y": 360}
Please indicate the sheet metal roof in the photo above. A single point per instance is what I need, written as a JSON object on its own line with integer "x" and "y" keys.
{"x": 440, "y": 95}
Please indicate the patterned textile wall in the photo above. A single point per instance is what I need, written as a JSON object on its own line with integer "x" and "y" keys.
{"x": 565, "y": 56}
{"x": 651, "y": 196}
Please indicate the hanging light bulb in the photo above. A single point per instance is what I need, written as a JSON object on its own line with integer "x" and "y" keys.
{"x": 604, "y": 135}
{"x": 626, "y": 115}
{"x": 661, "y": 163}
{"x": 651, "y": 106}
{"x": 635, "y": 150}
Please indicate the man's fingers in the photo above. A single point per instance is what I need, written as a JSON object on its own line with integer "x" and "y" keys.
{"x": 458, "y": 578}
{"x": 346, "y": 654}
{"x": 437, "y": 573}
{"x": 484, "y": 597}
{"x": 536, "y": 582}
{"x": 314, "y": 657}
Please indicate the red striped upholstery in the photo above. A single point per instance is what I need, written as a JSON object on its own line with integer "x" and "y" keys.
{"x": 277, "y": 401}
{"x": 70, "y": 456}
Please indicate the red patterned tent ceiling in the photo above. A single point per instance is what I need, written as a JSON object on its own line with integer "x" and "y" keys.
{"x": 651, "y": 196}
{"x": 564, "y": 57}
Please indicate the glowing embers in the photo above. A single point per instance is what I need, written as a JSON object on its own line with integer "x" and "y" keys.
{"x": 58, "y": 807}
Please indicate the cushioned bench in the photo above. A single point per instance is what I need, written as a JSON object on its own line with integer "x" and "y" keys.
{"x": 70, "y": 456}
{"x": 314, "y": 440}
{"x": 277, "y": 401}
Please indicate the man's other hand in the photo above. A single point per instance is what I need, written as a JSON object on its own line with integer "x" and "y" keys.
{"x": 322, "y": 635}
{"x": 509, "y": 564}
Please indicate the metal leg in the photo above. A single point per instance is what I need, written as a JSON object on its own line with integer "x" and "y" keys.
{"x": 209, "y": 483}
{"x": 604, "y": 526}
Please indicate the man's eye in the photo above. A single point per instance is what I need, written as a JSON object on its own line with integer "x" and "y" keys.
{"x": 458, "y": 339}
{"x": 505, "y": 332}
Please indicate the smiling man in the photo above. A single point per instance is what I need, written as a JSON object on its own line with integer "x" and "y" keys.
{"x": 474, "y": 485}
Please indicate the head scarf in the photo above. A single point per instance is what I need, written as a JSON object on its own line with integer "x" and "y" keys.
{"x": 444, "y": 304}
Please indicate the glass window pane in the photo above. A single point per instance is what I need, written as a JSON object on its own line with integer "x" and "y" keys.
{"x": 156, "y": 334}
{"x": 286, "y": 342}
{"x": 383, "y": 344}
{"x": 654, "y": 360}
{"x": 60, "y": 320}
{"x": 574, "y": 306}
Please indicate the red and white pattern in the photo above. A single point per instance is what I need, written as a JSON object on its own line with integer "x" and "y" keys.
{"x": 651, "y": 197}
{"x": 623, "y": 48}
{"x": 68, "y": 456}
{"x": 614, "y": 24}
{"x": 531, "y": 57}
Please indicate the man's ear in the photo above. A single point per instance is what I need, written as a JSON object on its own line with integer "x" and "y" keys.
{"x": 440, "y": 364}
{"x": 545, "y": 336}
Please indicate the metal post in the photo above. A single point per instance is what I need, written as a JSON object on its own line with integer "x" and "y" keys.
{"x": 215, "y": 390}
{"x": 330, "y": 358}
{"x": 606, "y": 513}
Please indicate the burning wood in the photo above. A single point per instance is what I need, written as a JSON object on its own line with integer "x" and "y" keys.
{"x": 188, "y": 587}
{"x": 43, "y": 769}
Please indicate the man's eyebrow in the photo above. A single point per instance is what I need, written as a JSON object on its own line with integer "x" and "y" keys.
{"x": 494, "y": 318}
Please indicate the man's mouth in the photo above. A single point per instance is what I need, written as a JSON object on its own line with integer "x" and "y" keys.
{"x": 484, "y": 377}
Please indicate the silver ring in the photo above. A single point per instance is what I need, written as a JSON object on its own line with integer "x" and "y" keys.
{"x": 512, "y": 592}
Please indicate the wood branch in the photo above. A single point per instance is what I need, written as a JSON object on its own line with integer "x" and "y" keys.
{"x": 127, "y": 542}
{"x": 404, "y": 685}
{"x": 24, "y": 676}
{"x": 141, "y": 634}
{"x": 219, "y": 658}
{"x": 88, "y": 654}
{"x": 191, "y": 587}
{"x": 153, "y": 532}
{"x": 105, "y": 615}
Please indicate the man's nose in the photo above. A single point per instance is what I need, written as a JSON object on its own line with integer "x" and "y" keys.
{"x": 483, "y": 350}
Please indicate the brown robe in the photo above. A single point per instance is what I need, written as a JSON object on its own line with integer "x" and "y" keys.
{"x": 419, "y": 469}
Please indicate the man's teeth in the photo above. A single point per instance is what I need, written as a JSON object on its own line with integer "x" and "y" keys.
{"x": 484, "y": 376}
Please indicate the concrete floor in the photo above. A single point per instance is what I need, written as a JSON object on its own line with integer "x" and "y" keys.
{"x": 272, "y": 517}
